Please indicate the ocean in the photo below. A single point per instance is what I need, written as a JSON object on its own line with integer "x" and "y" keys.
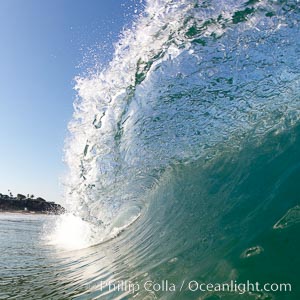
{"x": 184, "y": 168}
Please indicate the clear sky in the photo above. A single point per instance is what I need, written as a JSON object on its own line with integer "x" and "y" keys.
{"x": 44, "y": 45}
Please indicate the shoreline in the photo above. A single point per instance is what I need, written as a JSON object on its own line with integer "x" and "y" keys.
{"x": 28, "y": 205}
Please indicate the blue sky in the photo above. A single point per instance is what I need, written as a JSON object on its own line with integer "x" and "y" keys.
{"x": 44, "y": 45}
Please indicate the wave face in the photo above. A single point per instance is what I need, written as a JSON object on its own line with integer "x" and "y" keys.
{"x": 189, "y": 80}
{"x": 191, "y": 136}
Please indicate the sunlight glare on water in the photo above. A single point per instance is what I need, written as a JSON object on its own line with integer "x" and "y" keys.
{"x": 71, "y": 233}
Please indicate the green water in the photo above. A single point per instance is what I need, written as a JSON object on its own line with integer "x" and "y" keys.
{"x": 200, "y": 222}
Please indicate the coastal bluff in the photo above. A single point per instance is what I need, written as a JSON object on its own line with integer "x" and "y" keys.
{"x": 21, "y": 203}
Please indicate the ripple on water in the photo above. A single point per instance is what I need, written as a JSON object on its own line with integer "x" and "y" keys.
{"x": 292, "y": 217}
{"x": 256, "y": 250}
